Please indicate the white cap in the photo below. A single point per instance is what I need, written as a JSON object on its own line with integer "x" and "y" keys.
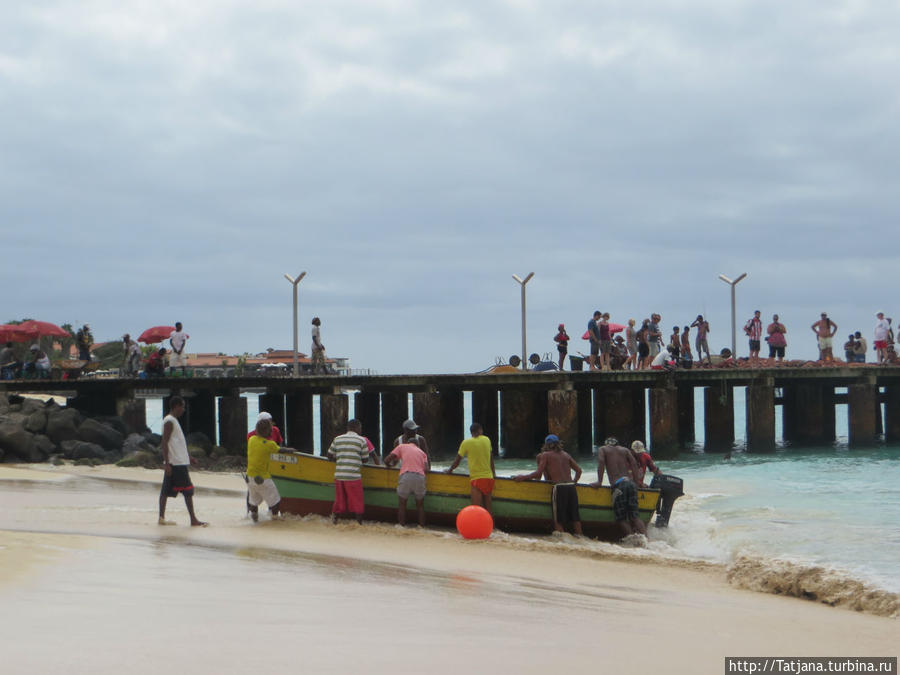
{"x": 637, "y": 446}
{"x": 263, "y": 416}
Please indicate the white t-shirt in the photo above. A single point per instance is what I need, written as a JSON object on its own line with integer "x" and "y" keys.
{"x": 316, "y": 339}
{"x": 178, "y": 452}
{"x": 660, "y": 360}
{"x": 178, "y": 338}
{"x": 881, "y": 329}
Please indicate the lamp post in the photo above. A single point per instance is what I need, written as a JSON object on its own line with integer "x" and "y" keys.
{"x": 733, "y": 315}
{"x": 522, "y": 283}
{"x": 295, "y": 283}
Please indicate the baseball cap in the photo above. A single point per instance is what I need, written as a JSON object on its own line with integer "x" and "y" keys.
{"x": 409, "y": 425}
{"x": 637, "y": 446}
{"x": 551, "y": 438}
{"x": 263, "y": 416}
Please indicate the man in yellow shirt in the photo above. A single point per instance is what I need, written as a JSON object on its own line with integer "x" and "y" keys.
{"x": 481, "y": 465}
{"x": 261, "y": 486}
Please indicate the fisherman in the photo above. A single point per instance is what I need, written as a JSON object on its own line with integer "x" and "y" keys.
{"x": 350, "y": 452}
{"x": 556, "y": 465}
{"x": 622, "y": 470}
{"x": 259, "y": 480}
{"x": 824, "y": 329}
{"x": 481, "y": 465}
{"x": 411, "y": 433}
{"x": 644, "y": 460}
{"x": 177, "y": 478}
{"x": 413, "y": 466}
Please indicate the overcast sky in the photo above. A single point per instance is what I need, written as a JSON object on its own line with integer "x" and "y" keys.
{"x": 165, "y": 161}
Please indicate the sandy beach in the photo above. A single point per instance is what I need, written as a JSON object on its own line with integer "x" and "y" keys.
{"x": 495, "y": 601}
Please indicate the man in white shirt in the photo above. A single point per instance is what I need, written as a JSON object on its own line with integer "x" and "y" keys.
{"x": 318, "y": 349}
{"x": 178, "y": 338}
{"x": 882, "y": 331}
{"x": 177, "y": 479}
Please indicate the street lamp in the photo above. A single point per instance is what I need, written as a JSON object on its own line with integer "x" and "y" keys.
{"x": 522, "y": 283}
{"x": 295, "y": 282}
{"x": 733, "y": 316}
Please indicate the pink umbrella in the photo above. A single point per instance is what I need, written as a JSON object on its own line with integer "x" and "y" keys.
{"x": 12, "y": 333}
{"x": 156, "y": 334}
{"x": 613, "y": 328}
{"x": 36, "y": 329}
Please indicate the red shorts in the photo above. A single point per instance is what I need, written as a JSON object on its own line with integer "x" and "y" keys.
{"x": 880, "y": 344}
{"x": 484, "y": 485}
{"x": 348, "y": 497}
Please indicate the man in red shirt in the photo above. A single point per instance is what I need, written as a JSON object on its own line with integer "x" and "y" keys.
{"x": 644, "y": 460}
{"x": 276, "y": 432}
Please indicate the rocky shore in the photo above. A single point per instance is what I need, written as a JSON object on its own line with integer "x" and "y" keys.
{"x": 34, "y": 430}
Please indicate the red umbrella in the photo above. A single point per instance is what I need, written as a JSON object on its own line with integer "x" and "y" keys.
{"x": 613, "y": 328}
{"x": 156, "y": 334}
{"x": 35, "y": 329}
{"x": 12, "y": 333}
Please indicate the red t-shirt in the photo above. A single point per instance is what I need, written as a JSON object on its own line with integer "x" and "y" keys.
{"x": 276, "y": 435}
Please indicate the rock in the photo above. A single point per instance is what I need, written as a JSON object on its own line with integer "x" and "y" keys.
{"x": 4, "y": 403}
{"x": 143, "y": 458}
{"x": 62, "y": 425}
{"x": 57, "y": 460}
{"x": 82, "y": 450}
{"x": 105, "y": 436}
{"x": 88, "y": 461}
{"x": 114, "y": 422}
{"x": 153, "y": 439}
{"x": 136, "y": 443}
{"x": 30, "y": 405}
{"x": 37, "y": 422}
{"x": 196, "y": 451}
{"x": 14, "y": 417}
{"x": 19, "y": 445}
{"x": 45, "y": 445}
{"x": 199, "y": 439}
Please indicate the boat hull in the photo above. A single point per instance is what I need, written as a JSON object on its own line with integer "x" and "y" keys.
{"x": 306, "y": 485}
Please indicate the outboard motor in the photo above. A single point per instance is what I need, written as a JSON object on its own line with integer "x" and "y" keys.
{"x": 670, "y": 488}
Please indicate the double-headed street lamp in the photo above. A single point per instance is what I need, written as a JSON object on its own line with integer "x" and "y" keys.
{"x": 295, "y": 282}
{"x": 733, "y": 315}
{"x": 522, "y": 283}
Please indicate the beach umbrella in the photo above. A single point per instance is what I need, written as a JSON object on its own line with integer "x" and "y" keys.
{"x": 613, "y": 328}
{"x": 35, "y": 329}
{"x": 12, "y": 333}
{"x": 156, "y": 334}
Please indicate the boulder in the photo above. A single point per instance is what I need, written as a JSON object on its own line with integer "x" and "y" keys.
{"x": 153, "y": 439}
{"x": 114, "y": 422}
{"x": 136, "y": 443}
{"x": 14, "y": 417}
{"x": 44, "y": 445}
{"x": 4, "y": 403}
{"x": 30, "y": 405}
{"x": 200, "y": 440}
{"x": 62, "y": 425}
{"x": 105, "y": 436}
{"x": 143, "y": 458}
{"x": 18, "y": 445}
{"x": 37, "y": 422}
{"x": 82, "y": 450}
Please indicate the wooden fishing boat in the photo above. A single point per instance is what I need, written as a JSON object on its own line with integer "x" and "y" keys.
{"x": 306, "y": 485}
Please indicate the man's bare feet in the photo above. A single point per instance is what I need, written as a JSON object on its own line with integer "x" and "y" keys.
{"x": 163, "y": 521}
{"x": 199, "y": 523}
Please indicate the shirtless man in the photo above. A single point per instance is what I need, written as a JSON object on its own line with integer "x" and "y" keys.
{"x": 701, "y": 343}
{"x": 824, "y": 329}
{"x": 622, "y": 470}
{"x": 556, "y": 465}
{"x": 686, "y": 354}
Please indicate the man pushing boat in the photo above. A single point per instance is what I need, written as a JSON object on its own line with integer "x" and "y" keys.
{"x": 481, "y": 465}
{"x": 622, "y": 469}
{"x": 556, "y": 465}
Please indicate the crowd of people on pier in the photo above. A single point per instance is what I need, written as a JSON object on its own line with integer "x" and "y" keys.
{"x": 614, "y": 346}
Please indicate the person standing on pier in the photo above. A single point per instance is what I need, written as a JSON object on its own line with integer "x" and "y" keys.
{"x": 825, "y": 329}
{"x": 176, "y": 460}
{"x": 178, "y": 339}
{"x": 84, "y": 340}
{"x": 686, "y": 354}
{"x": 777, "y": 341}
{"x": 318, "y": 349}
{"x": 594, "y": 336}
{"x": 557, "y": 465}
{"x": 349, "y": 451}
{"x": 753, "y": 329}
{"x": 701, "y": 342}
{"x": 562, "y": 344}
{"x": 622, "y": 470}
{"x": 481, "y": 465}
{"x": 859, "y": 351}
{"x": 882, "y": 330}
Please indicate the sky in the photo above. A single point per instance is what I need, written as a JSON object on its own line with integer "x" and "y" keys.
{"x": 168, "y": 161}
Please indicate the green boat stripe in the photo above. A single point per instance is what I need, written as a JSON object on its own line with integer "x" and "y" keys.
{"x": 452, "y": 495}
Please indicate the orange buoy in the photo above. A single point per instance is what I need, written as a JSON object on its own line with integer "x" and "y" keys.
{"x": 474, "y": 522}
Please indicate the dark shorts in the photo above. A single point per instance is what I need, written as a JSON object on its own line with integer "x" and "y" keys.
{"x": 754, "y": 345}
{"x": 562, "y": 349}
{"x": 625, "y": 501}
{"x": 177, "y": 483}
{"x": 643, "y": 350}
{"x": 595, "y": 348}
{"x": 565, "y": 504}
{"x": 776, "y": 351}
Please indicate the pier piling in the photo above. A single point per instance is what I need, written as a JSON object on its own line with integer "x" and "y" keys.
{"x": 718, "y": 406}
{"x": 760, "y": 416}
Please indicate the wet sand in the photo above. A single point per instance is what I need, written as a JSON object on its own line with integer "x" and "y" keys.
{"x": 414, "y": 600}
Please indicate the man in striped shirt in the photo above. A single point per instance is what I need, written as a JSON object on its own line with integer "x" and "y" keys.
{"x": 753, "y": 329}
{"x": 349, "y": 451}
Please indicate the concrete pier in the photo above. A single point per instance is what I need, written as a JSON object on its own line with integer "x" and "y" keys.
{"x": 718, "y": 406}
{"x": 333, "y": 413}
{"x": 523, "y": 414}
{"x": 394, "y": 412}
{"x": 664, "y": 422}
{"x": 367, "y": 408}
{"x": 760, "y": 406}
{"x": 440, "y": 414}
{"x": 620, "y": 413}
{"x": 585, "y": 403}
{"x": 562, "y": 417}
{"x": 233, "y": 422}
{"x": 298, "y": 420}
{"x": 862, "y": 400}
{"x": 808, "y": 411}
{"x": 486, "y": 411}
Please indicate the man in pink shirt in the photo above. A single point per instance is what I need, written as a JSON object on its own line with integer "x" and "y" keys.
{"x": 413, "y": 465}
